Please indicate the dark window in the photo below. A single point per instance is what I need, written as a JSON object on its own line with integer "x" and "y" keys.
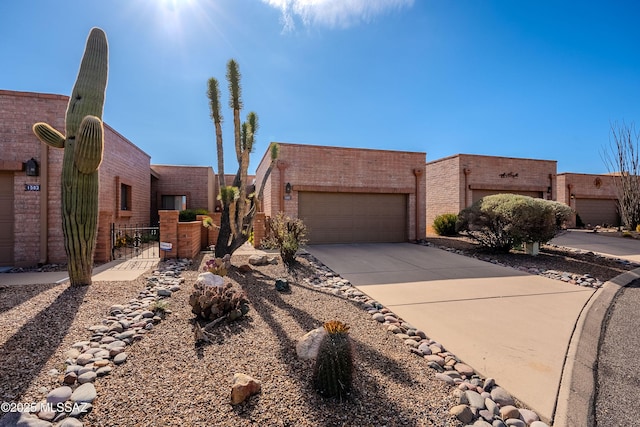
{"x": 174, "y": 203}
{"x": 125, "y": 197}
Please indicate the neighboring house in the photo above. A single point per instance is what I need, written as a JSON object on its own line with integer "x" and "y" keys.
{"x": 182, "y": 187}
{"x": 593, "y": 197}
{"x": 456, "y": 182}
{"x": 347, "y": 195}
{"x": 30, "y": 206}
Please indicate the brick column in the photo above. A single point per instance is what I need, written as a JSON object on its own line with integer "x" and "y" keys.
{"x": 259, "y": 229}
{"x": 103, "y": 242}
{"x": 169, "y": 232}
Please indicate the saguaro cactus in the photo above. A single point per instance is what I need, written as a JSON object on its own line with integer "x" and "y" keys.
{"x": 83, "y": 147}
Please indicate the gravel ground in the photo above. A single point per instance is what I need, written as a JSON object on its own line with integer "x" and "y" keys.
{"x": 169, "y": 380}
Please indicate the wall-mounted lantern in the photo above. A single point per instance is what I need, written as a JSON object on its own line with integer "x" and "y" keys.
{"x": 287, "y": 188}
{"x": 573, "y": 196}
{"x": 31, "y": 167}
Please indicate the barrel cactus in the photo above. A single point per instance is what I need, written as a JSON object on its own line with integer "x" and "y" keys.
{"x": 333, "y": 371}
{"x": 83, "y": 147}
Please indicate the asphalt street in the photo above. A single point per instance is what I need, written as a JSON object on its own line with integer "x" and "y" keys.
{"x": 618, "y": 379}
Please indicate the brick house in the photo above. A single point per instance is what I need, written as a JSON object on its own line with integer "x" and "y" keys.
{"x": 182, "y": 187}
{"x": 30, "y": 206}
{"x": 593, "y": 197}
{"x": 454, "y": 183}
{"x": 347, "y": 195}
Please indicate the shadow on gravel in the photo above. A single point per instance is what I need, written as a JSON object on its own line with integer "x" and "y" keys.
{"x": 29, "y": 349}
{"x": 13, "y": 296}
{"x": 363, "y": 407}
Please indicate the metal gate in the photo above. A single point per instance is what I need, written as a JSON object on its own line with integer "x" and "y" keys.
{"x": 135, "y": 241}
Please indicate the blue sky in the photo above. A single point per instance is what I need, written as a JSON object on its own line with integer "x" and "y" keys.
{"x": 537, "y": 79}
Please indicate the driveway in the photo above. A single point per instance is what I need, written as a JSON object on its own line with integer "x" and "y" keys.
{"x": 602, "y": 242}
{"x": 506, "y": 324}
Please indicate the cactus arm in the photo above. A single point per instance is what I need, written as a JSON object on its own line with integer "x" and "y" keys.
{"x": 89, "y": 145}
{"x": 49, "y": 135}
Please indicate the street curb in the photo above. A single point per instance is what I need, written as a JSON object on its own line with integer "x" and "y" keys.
{"x": 576, "y": 395}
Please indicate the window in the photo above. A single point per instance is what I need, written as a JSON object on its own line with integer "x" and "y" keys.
{"x": 174, "y": 203}
{"x": 125, "y": 197}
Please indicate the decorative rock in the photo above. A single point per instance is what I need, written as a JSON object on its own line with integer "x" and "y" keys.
{"x": 528, "y": 416}
{"x": 210, "y": 279}
{"x": 106, "y": 370}
{"x": 464, "y": 369}
{"x": 72, "y": 354}
{"x": 425, "y": 349}
{"x": 501, "y": 396}
{"x": 120, "y": 358}
{"x": 87, "y": 377}
{"x": 435, "y": 358}
{"x": 84, "y": 358}
{"x": 84, "y": 393}
{"x": 79, "y": 410}
{"x": 243, "y": 387}
{"x": 282, "y": 285}
{"x": 538, "y": 424}
{"x": 446, "y": 378}
{"x": 378, "y": 317}
{"x": 59, "y": 395}
{"x": 475, "y": 400}
{"x": 257, "y": 259}
{"x": 509, "y": 411}
{"x": 514, "y": 422}
{"x": 488, "y": 384}
{"x": 486, "y": 415}
{"x": 435, "y": 366}
{"x": 164, "y": 292}
{"x": 481, "y": 423}
{"x": 70, "y": 378}
{"x": 462, "y": 413}
{"x": 124, "y": 335}
{"x": 498, "y": 423}
{"x": 491, "y": 406}
{"x": 307, "y": 346}
{"x": 70, "y": 422}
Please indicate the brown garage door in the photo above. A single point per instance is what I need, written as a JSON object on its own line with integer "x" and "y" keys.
{"x": 598, "y": 211}
{"x": 353, "y": 217}
{"x": 479, "y": 194}
{"x": 6, "y": 219}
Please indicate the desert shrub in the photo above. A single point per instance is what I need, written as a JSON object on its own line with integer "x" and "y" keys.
{"x": 333, "y": 371}
{"x": 189, "y": 215}
{"x": 445, "y": 224}
{"x": 502, "y": 221}
{"x": 214, "y": 302}
{"x": 287, "y": 235}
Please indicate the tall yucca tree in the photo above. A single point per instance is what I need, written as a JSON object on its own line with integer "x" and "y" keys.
{"x": 238, "y": 207}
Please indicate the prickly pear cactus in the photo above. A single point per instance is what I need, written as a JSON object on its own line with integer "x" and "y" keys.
{"x": 333, "y": 371}
{"x": 83, "y": 147}
{"x": 214, "y": 302}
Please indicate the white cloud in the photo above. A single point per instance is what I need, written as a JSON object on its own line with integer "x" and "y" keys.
{"x": 333, "y": 13}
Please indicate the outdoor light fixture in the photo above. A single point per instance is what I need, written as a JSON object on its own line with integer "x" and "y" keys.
{"x": 573, "y": 196}
{"x": 287, "y": 188}
{"x": 31, "y": 167}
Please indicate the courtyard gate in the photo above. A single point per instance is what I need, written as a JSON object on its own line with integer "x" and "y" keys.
{"x": 135, "y": 241}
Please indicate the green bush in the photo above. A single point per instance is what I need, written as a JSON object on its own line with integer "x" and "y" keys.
{"x": 189, "y": 215}
{"x": 287, "y": 235}
{"x": 501, "y": 221}
{"x": 445, "y": 224}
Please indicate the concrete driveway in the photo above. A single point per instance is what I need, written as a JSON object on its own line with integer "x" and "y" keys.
{"x": 506, "y": 324}
{"x": 602, "y": 242}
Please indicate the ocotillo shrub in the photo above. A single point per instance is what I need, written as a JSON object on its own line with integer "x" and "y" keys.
{"x": 333, "y": 372}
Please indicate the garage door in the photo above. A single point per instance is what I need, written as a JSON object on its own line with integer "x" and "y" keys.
{"x": 6, "y": 219}
{"x": 353, "y": 217}
{"x": 479, "y": 194}
{"x": 598, "y": 211}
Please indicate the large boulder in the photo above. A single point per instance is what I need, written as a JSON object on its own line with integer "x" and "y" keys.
{"x": 210, "y": 279}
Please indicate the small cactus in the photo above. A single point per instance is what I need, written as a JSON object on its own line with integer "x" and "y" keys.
{"x": 333, "y": 371}
{"x": 214, "y": 302}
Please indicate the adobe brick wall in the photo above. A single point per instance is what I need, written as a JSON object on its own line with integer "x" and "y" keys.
{"x": 337, "y": 169}
{"x": 585, "y": 186}
{"x": 444, "y": 191}
{"x": 195, "y": 182}
{"x": 188, "y": 239}
{"x": 38, "y": 221}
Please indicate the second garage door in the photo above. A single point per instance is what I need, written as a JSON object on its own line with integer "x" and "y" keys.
{"x": 353, "y": 217}
{"x": 598, "y": 211}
